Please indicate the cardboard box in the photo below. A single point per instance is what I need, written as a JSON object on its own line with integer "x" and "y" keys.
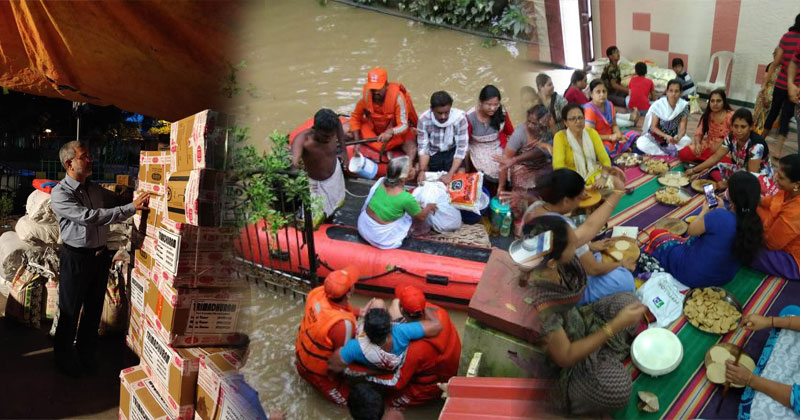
{"x": 209, "y": 269}
{"x": 195, "y": 317}
{"x": 200, "y": 141}
{"x": 213, "y": 368}
{"x": 174, "y": 370}
{"x": 135, "y": 329}
{"x": 143, "y": 262}
{"x": 125, "y": 180}
{"x": 196, "y": 238}
{"x": 154, "y": 167}
{"x": 230, "y": 398}
{"x": 196, "y": 197}
{"x": 138, "y": 398}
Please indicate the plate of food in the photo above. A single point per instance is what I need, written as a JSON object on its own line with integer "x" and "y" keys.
{"x": 698, "y": 184}
{"x": 628, "y": 159}
{"x": 654, "y": 166}
{"x": 674, "y": 196}
{"x": 712, "y": 309}
{"x": 674, "y": 179}
{"x": 594, "y": 198}
{"x": 715, "y": 360}
{"x": 622, "y": 249}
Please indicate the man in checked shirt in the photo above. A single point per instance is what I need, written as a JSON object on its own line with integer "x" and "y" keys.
{"x": 84, "y": 210}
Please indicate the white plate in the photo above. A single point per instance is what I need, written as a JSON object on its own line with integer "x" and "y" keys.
{"x": 657, "y": 351}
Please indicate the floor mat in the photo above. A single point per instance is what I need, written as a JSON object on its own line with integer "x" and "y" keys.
{"x": 686, "y": 393}
{"x": 473, "y": 235}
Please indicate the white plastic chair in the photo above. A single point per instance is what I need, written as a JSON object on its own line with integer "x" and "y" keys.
{"x": 725, "y": 59}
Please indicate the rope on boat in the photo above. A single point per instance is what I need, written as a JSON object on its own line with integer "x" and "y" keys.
{"x": 395, "y": 269}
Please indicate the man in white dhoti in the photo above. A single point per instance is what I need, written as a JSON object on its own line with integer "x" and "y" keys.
{"x": 317, "y": 147}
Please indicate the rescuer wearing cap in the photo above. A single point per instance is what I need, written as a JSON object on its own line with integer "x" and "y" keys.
{"x": 385, "y": 112}
{"x": 328, "y": 322}
{"x": 429, "y": 361}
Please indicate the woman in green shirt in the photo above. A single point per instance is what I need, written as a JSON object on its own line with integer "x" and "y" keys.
{"x": 387, "y": 214}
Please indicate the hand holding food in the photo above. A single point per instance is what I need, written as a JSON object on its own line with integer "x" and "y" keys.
{"x": 756, "y": 322}
{"x": 737, "y": 374}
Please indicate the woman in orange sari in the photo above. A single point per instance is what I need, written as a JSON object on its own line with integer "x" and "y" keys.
{"x": 601, "y": 115}
{"x": 780, "y": 215}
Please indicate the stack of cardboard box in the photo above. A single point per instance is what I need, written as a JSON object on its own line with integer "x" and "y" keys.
{"x": 185, "y": 296}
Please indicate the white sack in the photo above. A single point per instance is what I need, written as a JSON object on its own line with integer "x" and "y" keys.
{"x": 664, "y": 296}
{"x": 38, "y": 207}
{"x": 37, "y": 233}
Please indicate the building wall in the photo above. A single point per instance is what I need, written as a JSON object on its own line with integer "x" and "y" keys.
{"x": 659, "y": 30}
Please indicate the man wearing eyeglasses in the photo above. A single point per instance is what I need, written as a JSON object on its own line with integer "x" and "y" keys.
{"x": 84, "y": 210}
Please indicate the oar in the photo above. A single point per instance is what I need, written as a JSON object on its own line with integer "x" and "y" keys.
{"x": 728, "y": 383}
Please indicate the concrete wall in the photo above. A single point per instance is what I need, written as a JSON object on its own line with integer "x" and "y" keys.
{"x": 659, "y": 30}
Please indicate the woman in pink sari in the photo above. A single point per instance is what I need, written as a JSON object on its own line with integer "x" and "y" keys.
{"x": 601, "y": 116}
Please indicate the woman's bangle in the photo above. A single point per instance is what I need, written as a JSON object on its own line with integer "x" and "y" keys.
{"x": 609, "y": 332}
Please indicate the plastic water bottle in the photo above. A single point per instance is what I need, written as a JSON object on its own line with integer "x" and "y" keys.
{"x": 505, "y": 227}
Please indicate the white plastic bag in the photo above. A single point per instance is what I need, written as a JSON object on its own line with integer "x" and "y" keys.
{"x": 446, "y": 218}
{"x": 12, "y": 250}
{"x": 664, "y": 296}
{"x": 38, "y": 208}
{"x": 694, "y": 104}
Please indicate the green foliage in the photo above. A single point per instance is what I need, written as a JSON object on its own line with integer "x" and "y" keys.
{"x": 230, "y": 86}
{"x": 514, "y": 22}
{"x": 6, "y": 204}
{"x": 480, "y": 15}
{"x": 266, "y": 180}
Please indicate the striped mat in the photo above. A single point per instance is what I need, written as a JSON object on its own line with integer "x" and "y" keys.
{"x": 686, "y": 393}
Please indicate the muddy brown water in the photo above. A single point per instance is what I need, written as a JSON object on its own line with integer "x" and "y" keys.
{"x": 300, "y": 57}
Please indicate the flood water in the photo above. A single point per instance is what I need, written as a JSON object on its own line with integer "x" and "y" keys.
{"x": 301, "y": 56}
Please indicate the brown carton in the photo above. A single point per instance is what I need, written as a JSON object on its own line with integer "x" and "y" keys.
{"x": 138, "y": 398}
{"x": 196, "y": 197}
{"x": 135, "y": 328}
{"x": 125, "y": 180}
{"x": 174, "y": 370}
{"x": 203, "y": 269}
{"x": 154, "y": 167}
{"x": 195, "y": 317}
{"x": 143, "y": 262}
{"x": 213, "y": 368}
{"x": 200, "y": 141}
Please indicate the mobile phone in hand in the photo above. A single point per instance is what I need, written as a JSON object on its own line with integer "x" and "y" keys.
{"x": 708, "y": 189}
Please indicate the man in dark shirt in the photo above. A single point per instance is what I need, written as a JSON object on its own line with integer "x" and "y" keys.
{"x": 83, "y": 212}
{"x": 612, "y": 77}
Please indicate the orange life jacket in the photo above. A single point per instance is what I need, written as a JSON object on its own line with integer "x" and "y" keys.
{"x": 383, "y": 115}
{"x": 313, "y": 346}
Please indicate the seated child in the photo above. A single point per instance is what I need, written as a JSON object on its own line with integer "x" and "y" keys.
{"x": 687, "y": 85}
{"x": 642, "y": 90}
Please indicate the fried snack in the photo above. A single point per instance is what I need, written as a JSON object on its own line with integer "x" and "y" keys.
{"x": 628, "y": 159}
{"x": 655, "y": 166}
{"x": 707, "y": 311}
{"x": 720, "y": 354}
{"x": 716, "y": 373}
{"x": 674, "y": 179}
{"x": 670, "y": 195}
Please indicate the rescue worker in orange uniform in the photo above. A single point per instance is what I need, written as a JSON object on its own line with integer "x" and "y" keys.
{"x": 328, "y": 322}
{"x": 385, "y": 112}
{"x": 429, "y": 361}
